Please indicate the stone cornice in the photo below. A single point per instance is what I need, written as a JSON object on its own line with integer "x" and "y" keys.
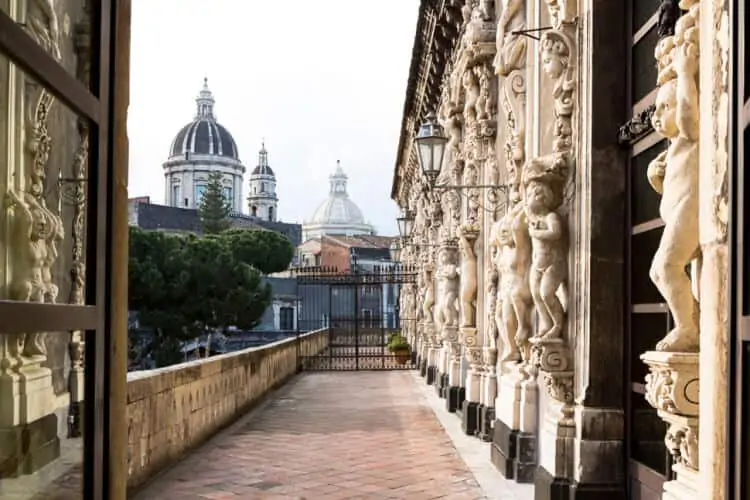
{"x": 438, "y": 33}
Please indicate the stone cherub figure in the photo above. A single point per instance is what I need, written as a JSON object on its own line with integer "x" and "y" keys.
{"x": 511, "y": 47}
{"x": 549, "y": 268}
{"x": 471, "y": 88}
{"x": 513, "y": 260}
{"x": 429, "y": 294}
{"x": 447, "y": 275}
{"x": 468, "y": 280}
{"x": 674, "y": 174}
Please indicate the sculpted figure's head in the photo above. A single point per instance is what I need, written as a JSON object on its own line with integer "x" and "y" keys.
{"x": 665, "y": 114}
{"x": 539, "y": 197}
{"x": 505, "y": 234}
{"x": 555, "y": 54}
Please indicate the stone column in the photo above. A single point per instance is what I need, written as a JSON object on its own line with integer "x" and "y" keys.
{"x": 673, "y": 379}
{"x": 514, "y": 430}
{"x": 551, "y": 205}
{"x": 713, "y": 221}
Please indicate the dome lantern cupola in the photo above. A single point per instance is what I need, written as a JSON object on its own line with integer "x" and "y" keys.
{"x": 338, "y": 180}
{"x": 205, "y": 102}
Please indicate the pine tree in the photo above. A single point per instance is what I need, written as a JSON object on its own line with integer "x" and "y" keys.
{"x": 214, "y": 208}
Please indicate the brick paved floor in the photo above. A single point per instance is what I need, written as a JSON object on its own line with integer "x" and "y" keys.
{"x": 328, "y": 436}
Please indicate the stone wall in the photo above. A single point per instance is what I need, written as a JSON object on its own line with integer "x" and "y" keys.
{"x": 174, "y": 409}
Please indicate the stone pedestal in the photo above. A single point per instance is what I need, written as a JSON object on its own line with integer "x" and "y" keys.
{"x": 470, "y": 410}
{"x": 28, "y": 423}
{"x": 513, "y": 450}
{"x": 672, "y": 388}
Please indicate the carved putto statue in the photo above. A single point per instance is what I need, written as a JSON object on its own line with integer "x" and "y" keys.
{"x": 543, "y": 196}
{"x": 429, "y": 294}
{"x": 447, "y": 277}
{"x": 468, "y": 279}
{"x": 510, "y": 235}
{"x": 471, "y": 88}
{"x": 511, "y": 47}
{"x": 674, "y": 174}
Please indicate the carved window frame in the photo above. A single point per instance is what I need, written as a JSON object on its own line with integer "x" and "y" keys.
{"x": 93, "y": 103}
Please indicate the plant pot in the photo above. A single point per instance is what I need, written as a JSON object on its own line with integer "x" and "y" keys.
{"x": 402, "y": 357}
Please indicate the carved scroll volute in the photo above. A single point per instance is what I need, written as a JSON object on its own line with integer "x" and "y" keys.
{"x": 558, "y": 63}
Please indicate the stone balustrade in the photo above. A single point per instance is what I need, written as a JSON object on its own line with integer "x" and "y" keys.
{"x": 174, "y": 409}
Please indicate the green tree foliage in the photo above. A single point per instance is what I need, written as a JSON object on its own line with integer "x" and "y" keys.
{"x": 268, "y": 251}
{"x": 214, "y": 208}
{"x": 184, "y": 286}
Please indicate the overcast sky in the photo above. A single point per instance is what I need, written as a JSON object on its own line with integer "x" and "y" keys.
{"x": 319, "y": 80}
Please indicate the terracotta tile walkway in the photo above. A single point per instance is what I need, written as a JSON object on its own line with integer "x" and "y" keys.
{"x": 328, "y": 436}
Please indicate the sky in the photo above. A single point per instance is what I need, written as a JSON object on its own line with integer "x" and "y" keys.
{"x": 319, "y": 81}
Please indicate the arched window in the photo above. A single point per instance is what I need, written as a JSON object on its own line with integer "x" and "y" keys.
{"x": 254, "y": 211}
{"x": 262, "y": 187}
{"x": 270, "y": 213}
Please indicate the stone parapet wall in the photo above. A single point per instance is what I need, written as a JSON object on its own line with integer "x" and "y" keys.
{"x": 172, "y": 410}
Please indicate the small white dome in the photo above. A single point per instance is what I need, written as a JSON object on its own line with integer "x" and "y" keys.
{"x": 337, "y": 210}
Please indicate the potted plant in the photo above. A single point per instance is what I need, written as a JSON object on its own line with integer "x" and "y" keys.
{"x": 400, "y": 348}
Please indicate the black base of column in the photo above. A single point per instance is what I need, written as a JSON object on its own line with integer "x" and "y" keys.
{"x": 503, "y": 449}
{"x": 513, "y": 453}
{"x": 470, "y": 418}
{"x": 27, "y": 448}
{"x": 431, "y": 374}
{"x": 486, "y": 418}
{"x": 422, "y": 367}
{"x": 548, "y": 487}
{"x": 454, "y": 398}
{"x": 441, "y": 385}
{"x": 414, "y": 358}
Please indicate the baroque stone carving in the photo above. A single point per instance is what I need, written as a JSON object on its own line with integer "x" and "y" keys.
{"x": 510, "y": 236}
{"x": 674, "y": 175}
{"x": 428, "y": 294}
{"x": 448, "y": 284}
{"x": 672, "y": 388}
{"x": 511, "y": 46}
{"x": 466, "y": 242}
{"x": 37, "y": 231}
{"x": 558, "y": 65}
{"x": 544, "y": 182}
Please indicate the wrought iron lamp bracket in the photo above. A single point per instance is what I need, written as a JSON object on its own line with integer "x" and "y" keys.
{"x": 529, "y": 32}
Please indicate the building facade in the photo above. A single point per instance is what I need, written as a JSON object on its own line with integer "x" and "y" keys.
{"x": 579, "y": 217}
{"x": 200, "y": 148}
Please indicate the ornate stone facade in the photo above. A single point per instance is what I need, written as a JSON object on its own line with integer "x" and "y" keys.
{"x": 525, "y": 198}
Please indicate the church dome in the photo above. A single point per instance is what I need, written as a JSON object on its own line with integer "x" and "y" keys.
{"x": 337, "y": 209}
{"x": 204, "y": 135}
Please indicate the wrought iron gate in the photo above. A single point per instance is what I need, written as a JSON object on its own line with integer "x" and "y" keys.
{"x": 360, "y": 310}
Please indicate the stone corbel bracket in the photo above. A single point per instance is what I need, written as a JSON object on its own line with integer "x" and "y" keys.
{"x": 553, "y": 360}
{"x": 672, "y": 387}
